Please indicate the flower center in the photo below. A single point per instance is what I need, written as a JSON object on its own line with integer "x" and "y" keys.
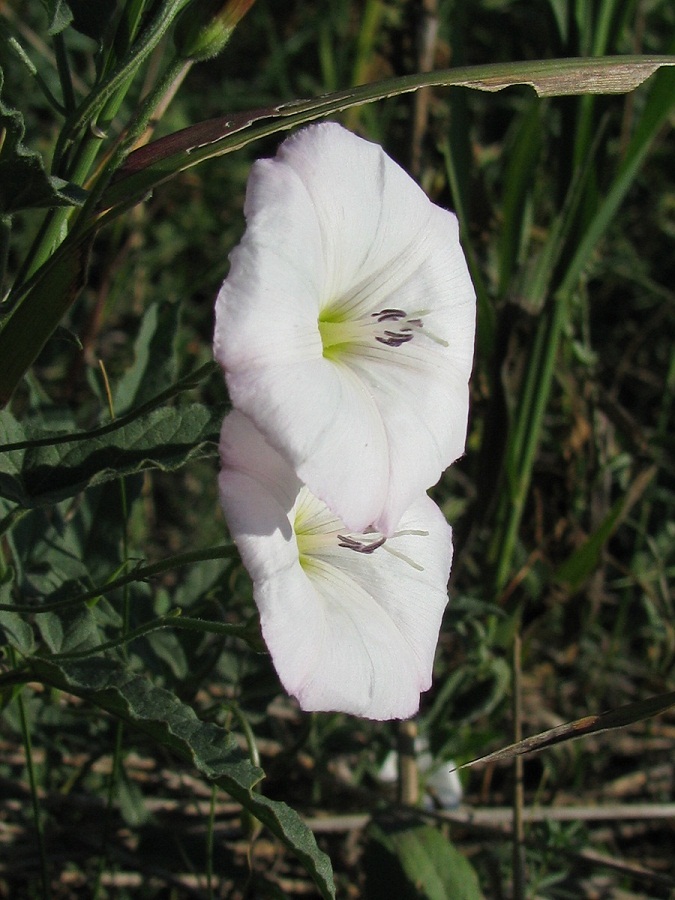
{"x": 320, "y": 534}
{"x": 390, "y": 327}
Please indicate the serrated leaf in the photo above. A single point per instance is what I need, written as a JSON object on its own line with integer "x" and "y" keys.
{"x": 24, "y": 182}
{"x": 164, "y": 438}
{"x": 210, "y": 748}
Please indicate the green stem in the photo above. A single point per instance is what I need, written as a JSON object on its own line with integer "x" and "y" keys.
{"x": 209, "y": 842}
{"x": 139, "y": 574}
{"x": 172, "y": 620}
{"x": 37, "y": 818}
{"x": 98, "y": 98}
{"x": 527, "y": 432}
{"x": 174, "y": 72}
{"x": 64, "y": 74}
{"x": 187, "y": 382}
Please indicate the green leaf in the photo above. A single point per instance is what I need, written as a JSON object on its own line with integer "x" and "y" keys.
{"x": 59, "y": 15}
{"x": 92, "y": 19}
{"x": 15, "y": 631}
{"x": 164, "y": 438}
{"x": 26, "y": 326}
{"x": 24, "y": 182}
{"x": 155, "y": 363}
{"x": 160, "y": 160}
{"x": 70, "y": 630}
{"x": 578, "y": 567}
{"x": 175, "y": 726}
{"x": 422, "y": 863}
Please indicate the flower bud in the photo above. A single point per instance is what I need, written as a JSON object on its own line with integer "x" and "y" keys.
{"x": 204, "y": 27}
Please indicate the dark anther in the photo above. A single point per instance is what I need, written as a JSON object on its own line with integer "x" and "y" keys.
{"x": 358, "y": 546}
{"x": 395, "y": 338}
{"x": 389, "y": 315}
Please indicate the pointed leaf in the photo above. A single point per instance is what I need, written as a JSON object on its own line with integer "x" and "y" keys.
{"x": 211, "y": 749}
{"x": 164, "y": 158}
{"x": 26, "y": 326}
{"x": 614, "y": 718}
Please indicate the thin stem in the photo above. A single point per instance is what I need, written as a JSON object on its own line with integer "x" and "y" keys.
{"x": 118, "y": 751}
{"x": 171, "y": 620}
{"x": 175, "y": 72}
{"x": 526, "y": 434}
{"x": 519, "y": 874}
{"x": 141, "y": 573}
{"x": 69, "y": 102}
{"x": 37, "y": 818}
{"x": 209, "y": 842}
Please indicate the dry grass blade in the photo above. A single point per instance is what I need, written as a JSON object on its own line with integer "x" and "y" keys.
{"x": 570, "y": 731}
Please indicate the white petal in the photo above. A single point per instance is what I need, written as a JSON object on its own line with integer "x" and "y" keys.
{"x": 257, "y": 492}
{"x": 333, "y": 223}
{"x": 348, "y": 631}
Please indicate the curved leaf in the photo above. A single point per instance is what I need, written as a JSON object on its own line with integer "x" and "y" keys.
{"x": 164, "y": 438}
{"x": 210, "y": 748}
{"x": 162, "y": 159}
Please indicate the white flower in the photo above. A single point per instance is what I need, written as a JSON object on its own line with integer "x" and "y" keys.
{"x": 351, "y": 620}
{"x": 345, "y": 327}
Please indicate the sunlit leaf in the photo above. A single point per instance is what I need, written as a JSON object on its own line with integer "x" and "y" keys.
{"x": 162, "y": 159}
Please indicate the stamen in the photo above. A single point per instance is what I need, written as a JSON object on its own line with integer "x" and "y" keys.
{"x": 404, "y": 558}
{"x": 350, "y": 543}
{"x": 347, "y": 335}
{"x": 395, "y": 338}
{"x": 389, "y": 315}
